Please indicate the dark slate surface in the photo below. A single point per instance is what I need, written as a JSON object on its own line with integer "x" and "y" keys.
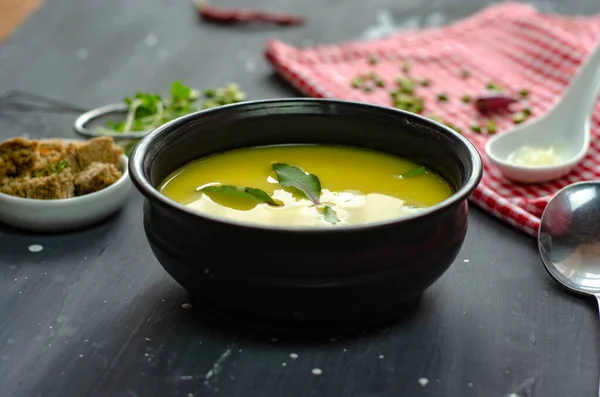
{"x": 94, "y": 314}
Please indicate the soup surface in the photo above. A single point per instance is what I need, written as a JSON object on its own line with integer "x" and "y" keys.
{"x": 356, "y": 186}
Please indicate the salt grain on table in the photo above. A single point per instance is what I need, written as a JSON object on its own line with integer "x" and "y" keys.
{"x": 186, "y": 306}
{"x": 317, "y": 371}
{"x": 35, "y": 248}
{"x": 293, "y": 356}
{"x": 423, "y": 381}
{"x": 250, "y": 65}
{"x": 151, "y": 40}
{"x": 82, "y": 54}
{"x": 162, "y": 54}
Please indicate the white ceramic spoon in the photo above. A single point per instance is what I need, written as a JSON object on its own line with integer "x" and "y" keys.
{"x": 565, "y": 127}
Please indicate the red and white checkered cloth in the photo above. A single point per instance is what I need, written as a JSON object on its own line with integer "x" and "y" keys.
{"x": 511, "y": 44}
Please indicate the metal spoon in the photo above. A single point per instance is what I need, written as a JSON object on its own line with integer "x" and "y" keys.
{"x": 569, "y": 238}
{"x": 566, "y": 128}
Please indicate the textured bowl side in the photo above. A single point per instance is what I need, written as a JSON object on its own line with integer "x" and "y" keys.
{"x": 354, "y": 275}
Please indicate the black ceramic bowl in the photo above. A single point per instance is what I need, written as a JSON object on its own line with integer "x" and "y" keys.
{"x": 290, "y": 274}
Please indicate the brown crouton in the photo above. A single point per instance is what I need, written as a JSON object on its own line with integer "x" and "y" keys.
{"x": 54, "y": 186}
{"x": 19, "y": 154}
{"x": 52, "y": 150}
{"x": 70, "y": 155}
{"x": 94, "y": 177}
{"x": 3, "y": 171}
{"x": 101, "y": 149}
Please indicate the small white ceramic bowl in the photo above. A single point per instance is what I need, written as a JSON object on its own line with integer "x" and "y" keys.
{"x": 66, "y": 214}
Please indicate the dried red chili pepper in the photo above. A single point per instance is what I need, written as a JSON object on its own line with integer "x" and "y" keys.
{"x": 491, "y": 103}
{"x": 235, "y": 16}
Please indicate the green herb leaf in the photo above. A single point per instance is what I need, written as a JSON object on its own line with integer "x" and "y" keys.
{"x": 148, "y": 111}
{"x": 179, "y": 91}
{"x": 243, "y": 193}
{"x": 51, "y": 169}
{"x": 116, "y": 126}
{"x": 262, "y": 196}
{"x": 411, "y": 174}
{"x": 292, "y": 176}
{"x": 330, "y": 215}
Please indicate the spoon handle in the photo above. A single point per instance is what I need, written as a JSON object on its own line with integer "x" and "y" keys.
{"x": 598, "y": 300}
{"x": 584, "y": 88}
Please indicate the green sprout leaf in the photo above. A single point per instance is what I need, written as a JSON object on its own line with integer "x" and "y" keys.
{"x": 247, "y": 193}
{"x": 146, "y": 111}
{"x": 179, "y": 91}
{"x": 292, "y": 176}
{"x": 411, "y": 174}
{"x": 330, "y": 215}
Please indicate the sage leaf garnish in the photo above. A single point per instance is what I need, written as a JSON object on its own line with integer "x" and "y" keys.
{"x": 413, "y": 173}
{"x": 262, "y": 196}
{"x": 330, "y": 215}
{"x": 245, "y": 193}
{"x": 308, "y": 184}
{"x": 292, "y": 176}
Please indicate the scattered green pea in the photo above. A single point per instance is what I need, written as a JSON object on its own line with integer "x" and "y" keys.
{"x": 406, "y": 66}
{"x": 442, "y": 97}
{"x": 425, "y": 83}
{"x": 519, "y": 117}
{"x": 493, "y": 87}
{"x": 476, "y": 128}
{"x": 490, "y": 126}
{"x": 527, "y": 111}
{"x": 524, "y": 93}
{"x": 373, "y": 60}
{"x": 466, "y": 98}
{"x": 406, "y": 85}
{"x": 408, "y": 102}
{"x": 357, "y": 82}
{"x": 464, "y": 73}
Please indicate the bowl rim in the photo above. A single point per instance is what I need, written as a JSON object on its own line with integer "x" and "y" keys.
{"x": 124, "y": 168}
{"x": 140, "y": 180}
